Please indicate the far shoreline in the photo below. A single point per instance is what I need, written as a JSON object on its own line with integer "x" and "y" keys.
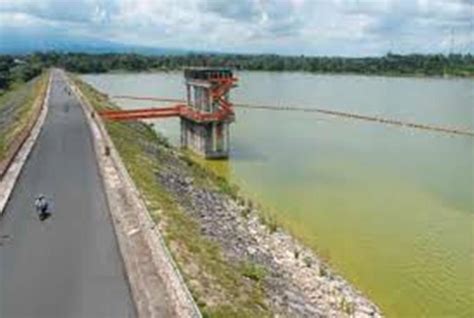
{"x": 371, "y": 75}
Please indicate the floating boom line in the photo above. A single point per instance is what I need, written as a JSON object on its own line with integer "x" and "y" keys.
{"x": 382, "y": 120}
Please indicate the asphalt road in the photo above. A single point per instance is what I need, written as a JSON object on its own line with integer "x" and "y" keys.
{"x": 68, "y": 265}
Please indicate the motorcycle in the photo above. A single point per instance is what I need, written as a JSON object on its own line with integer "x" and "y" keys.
{"x": 42, "y": 207}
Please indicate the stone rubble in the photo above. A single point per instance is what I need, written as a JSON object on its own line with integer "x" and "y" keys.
{"x": 297, "y": 282}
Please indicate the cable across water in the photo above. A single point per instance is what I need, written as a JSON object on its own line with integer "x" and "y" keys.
{"x": 382, "y": 120}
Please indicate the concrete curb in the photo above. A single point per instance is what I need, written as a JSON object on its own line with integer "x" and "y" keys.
{"x": 14, "y": 166}
{"x": 148, "y": 262}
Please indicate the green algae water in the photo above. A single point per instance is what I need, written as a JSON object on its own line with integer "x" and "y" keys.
{"x": 390, "y": 208}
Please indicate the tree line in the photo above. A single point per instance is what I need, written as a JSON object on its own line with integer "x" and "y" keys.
{"x": 16, "y": 70}
{"x": 24, "y": 67}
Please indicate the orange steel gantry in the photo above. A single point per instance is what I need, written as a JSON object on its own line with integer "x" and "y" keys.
{"x": 221, "y": 83}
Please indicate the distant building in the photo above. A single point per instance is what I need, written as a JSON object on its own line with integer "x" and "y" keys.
{"x": 18, "y": 61}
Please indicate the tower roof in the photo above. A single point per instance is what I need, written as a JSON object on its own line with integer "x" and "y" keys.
{"x": 206, "y": 73}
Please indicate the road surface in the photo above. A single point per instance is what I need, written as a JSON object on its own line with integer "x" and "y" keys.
{"x": 69, "y": 265}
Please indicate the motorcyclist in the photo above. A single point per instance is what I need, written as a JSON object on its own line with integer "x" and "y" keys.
{"x": 42, "y": 206}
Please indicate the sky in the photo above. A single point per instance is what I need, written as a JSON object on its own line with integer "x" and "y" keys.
{"x": 296, "y": 27}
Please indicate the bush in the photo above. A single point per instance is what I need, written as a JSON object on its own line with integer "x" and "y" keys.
{"x": 270, "y": 221}
{"x": 253, "y": 271}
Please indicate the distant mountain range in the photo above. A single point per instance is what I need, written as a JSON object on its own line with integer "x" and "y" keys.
{"x": 22, "y": 43}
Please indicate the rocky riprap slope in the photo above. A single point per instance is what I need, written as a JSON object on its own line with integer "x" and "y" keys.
{"x": 296, "y": 282}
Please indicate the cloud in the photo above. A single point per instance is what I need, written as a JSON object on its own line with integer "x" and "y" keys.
{"x": 88, "y": 11}
{"x": 241, "y": 11}
{"x": 331, "y": 27}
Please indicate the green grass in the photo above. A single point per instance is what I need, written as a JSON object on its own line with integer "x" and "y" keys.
{"x": 2, "y": 147}
{"x": 24, "y": 95}
{"x": 220, "y": 287}
{"x": 207, "y": 177}
{"x": 270, "y": 221}
{"x": 253, "y": 271}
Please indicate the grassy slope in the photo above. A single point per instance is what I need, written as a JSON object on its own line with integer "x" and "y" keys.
{"x": 220, "y": 288}
{"x": 23, "y": 97}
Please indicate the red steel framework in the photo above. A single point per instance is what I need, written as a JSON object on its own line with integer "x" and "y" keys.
{"x": 220, "y": 86}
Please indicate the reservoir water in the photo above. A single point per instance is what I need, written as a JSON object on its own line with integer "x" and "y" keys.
{"x": 391, "y": 208}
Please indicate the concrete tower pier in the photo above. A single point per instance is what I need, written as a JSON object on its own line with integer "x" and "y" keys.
{"x": 206, "y": 118}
